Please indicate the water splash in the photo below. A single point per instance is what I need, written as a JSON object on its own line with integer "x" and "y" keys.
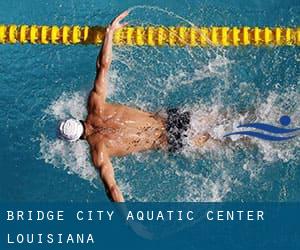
{"x": 215, "y": 85}
{"x": 192, "y": 185}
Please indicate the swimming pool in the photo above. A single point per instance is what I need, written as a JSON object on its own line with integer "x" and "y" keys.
{"x": 42, "y": 84}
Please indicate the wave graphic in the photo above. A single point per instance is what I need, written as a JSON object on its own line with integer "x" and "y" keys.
{"x": 262, "y": 136}
{"x": 269, "y": 128}
{"x": 284, "y": 121}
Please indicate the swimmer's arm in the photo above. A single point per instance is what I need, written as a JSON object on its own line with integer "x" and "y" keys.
{"x": 102, "y": 65}
{"x": 103, "y": 164}
{"x": 105, "y": 56}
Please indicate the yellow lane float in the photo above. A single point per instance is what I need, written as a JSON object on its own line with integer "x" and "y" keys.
{"x": 152, "y": 35}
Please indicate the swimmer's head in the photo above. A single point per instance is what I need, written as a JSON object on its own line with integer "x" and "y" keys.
{"x": 70, "y": 130}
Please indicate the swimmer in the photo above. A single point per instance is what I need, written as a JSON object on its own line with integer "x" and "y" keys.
{"x": 114, "y": 130}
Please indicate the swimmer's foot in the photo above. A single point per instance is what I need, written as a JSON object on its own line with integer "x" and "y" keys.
{"x": 200, "y": 140}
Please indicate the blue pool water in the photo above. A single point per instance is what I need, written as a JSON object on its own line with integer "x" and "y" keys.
{"x": 42, "y": 84}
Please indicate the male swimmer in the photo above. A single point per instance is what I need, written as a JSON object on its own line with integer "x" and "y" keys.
{"x": 117, "y": 130}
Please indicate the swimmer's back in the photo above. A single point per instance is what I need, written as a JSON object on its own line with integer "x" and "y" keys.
{"x": 126, "y": 130}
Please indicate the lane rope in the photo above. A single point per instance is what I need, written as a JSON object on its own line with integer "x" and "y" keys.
{"x": 152, "y": 35}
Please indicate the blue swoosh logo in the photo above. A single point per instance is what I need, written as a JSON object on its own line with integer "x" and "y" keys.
{"x": 269, "y": 128}
{"x": 262, "y": 136}
{"x": 284, "y": 121}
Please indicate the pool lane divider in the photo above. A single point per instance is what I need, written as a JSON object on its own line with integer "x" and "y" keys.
{"x": 152, "y": 35}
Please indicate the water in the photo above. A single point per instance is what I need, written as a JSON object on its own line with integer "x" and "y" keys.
{"x": 42, "y": 84}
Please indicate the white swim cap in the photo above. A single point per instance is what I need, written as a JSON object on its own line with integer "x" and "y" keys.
{"x": 70, "y": 130}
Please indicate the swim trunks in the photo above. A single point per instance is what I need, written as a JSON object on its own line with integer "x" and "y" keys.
{"x": 177, "y": 125}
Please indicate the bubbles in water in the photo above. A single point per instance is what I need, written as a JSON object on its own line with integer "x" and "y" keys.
{"x": 72, "y": 157}
{"x": 68, "y": 105}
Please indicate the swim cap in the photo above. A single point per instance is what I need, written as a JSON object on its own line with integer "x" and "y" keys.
{"x": 70, "y": 129}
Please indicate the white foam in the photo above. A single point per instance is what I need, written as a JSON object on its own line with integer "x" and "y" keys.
{"x": 200, "y": 188}
{"x": 271, "y": 110}
{"x": 214, "y": 118}
{"x": 68, "y": 105}
{"x": 216, "y": 121}
{"x": 72, "y": 157}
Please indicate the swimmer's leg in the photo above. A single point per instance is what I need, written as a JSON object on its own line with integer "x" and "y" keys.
{"x": 200, "y": 140}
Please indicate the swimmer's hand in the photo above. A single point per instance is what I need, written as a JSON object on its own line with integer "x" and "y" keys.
{"x": 115, "y": 24}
